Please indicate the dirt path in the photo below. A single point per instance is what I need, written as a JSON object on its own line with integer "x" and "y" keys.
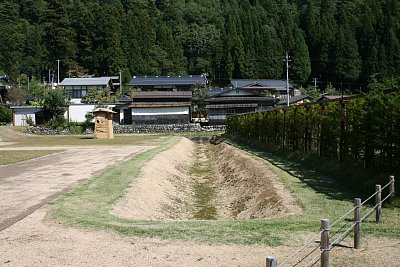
{"x": 27, "y": 186}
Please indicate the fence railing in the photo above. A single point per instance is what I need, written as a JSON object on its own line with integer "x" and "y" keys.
{"x": 311, "y": 253}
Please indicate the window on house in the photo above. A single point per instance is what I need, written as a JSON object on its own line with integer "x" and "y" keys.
{"x": 230, "y": 111}
{"x": 76, "y": 93}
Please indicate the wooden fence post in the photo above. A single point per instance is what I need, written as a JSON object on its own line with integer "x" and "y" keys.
{"x": 325, "y": 243}
{"x": 357, "y": 226}
{"x": 392, "y": 188}
{"x": 272, "y": 262}
{"x": 378, "y": 202}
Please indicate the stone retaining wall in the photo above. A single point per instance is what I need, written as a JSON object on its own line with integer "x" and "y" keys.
{"x": 136, "y": 129}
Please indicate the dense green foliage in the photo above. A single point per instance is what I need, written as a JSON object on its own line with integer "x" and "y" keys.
{"x": 363, "y": 132}
{"x": 335, "y": 41}
{"x": 55, "y": 103}
{"x": 5, "y": 115}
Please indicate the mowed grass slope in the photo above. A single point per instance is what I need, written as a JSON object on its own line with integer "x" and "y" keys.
{"x": 90, "y": 205}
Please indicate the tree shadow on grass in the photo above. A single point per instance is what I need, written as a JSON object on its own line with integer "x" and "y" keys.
{"x": 312, "y": 177}
{"x": 86, "y": 137}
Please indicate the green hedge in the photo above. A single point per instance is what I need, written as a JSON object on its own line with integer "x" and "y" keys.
{"x": 364, "y": 131}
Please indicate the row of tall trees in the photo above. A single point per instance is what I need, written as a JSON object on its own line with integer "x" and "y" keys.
{"x": 334, "y": 41}
{"x": 363, "y": 131}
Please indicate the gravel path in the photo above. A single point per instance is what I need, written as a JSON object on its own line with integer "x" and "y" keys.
{"x": 27, "y": 186}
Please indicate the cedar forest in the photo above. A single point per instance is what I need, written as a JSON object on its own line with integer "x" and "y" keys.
{"x": 338, "y": 42}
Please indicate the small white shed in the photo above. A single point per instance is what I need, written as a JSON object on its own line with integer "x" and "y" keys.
{"x": 23, "y": 113}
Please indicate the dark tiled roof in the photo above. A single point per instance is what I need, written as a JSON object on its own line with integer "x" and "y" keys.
{"x": 294, "y": 99}
{"x": 261, "y": 83}
{"x": 190, "y": 80}
{"x": 27, "y": 107}
{"x": 125, "y": 99}
{"x": 245, "y": 105}
{"x": 103, "y": 81}
{"x": 217, "y": 91}
{"x": 334, "y": 97}
{"x": 162, "y": 94}
{"x": 159, "y": 104}
{"x": 241, "y": 99}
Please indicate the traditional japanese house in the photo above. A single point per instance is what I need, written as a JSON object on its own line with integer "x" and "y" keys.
{"x": 274, "y": 88}
{"x": 235, "y": 101}
{"x": 167, "y": 83}
{"x": 77, "y": 88}
{"x": 157, "y": 107}
{"x": 296, "y": 100}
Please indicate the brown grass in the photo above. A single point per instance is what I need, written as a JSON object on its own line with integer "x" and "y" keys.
{"x": 14, "y": 156}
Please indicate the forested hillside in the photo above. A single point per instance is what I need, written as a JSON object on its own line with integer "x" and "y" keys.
{"x": 334, "y": 41}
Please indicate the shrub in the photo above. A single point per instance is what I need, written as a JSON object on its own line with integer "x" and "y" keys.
{"x": 75, "y": 129}
{"x": 5, "y": 115}
{"x": 29, "y": 121}
{"x": 57, "y": 123}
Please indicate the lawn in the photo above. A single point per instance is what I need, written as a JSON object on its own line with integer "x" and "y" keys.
{"x": 90, "y": 205}
{"x": 82, "y": 140}
{"x": 14, "y": 156}
{"x": 16, "y": 139}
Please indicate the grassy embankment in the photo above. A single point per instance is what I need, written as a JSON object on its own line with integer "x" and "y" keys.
{"x": 90, "y": 205}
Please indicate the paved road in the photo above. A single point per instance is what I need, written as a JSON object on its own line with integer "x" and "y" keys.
{"x": 27, "y": 186}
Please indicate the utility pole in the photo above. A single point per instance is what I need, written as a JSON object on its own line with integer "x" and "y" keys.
{"x": 58, "y": 72}
{"x": 287, "y": 59}
{"x": 315, "y": 83}
{"x": 120, "y": 82}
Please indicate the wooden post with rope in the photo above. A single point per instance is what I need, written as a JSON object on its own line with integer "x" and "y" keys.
{"x": 357, "y": 225}
{"x": 392, "y": 189}
{"x": 272, "y": 262}
{"x": 378, "y": 203}
{"x": 325, "y": 243}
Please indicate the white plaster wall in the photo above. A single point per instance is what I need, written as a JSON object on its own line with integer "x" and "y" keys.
{"x": 20, "y": 118}
{"x": 76, "y": 113}
{"x": 160, "y": 111}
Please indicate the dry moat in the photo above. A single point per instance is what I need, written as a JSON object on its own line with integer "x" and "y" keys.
{"x": 198, "y": 180}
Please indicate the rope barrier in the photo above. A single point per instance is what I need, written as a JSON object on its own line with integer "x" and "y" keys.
{"x": 373, "y": 208}
{"x": 344, "y": 216}
{"x": 300, "y": 249}
{"x": 340, "y": 229}
{"x": 306, "y": 256}
{"x": 341, "y": 237}
{"x": 365, "y": 201}
{"x": 314, "y": 260}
